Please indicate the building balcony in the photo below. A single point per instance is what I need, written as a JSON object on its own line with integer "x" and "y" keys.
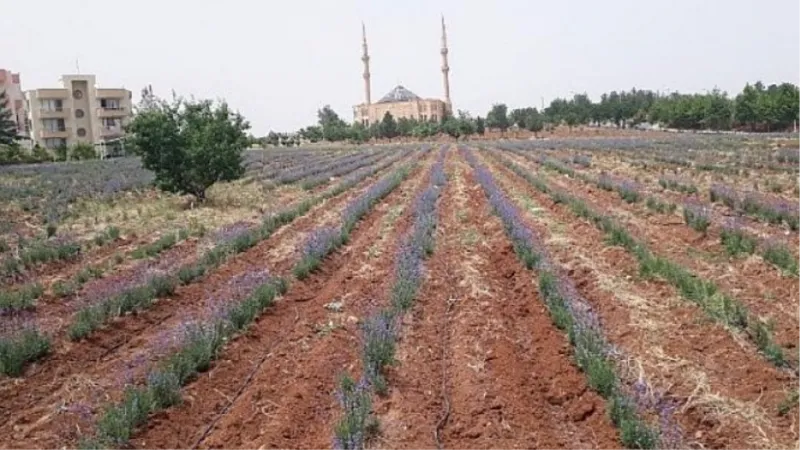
{"x": 119, "y": 111}
{"x": 47, "y": 134}
{"x": 54, "y": 113}
{"x": 110, "y": 132}
{"x": 113, "y": 93}
{"x": 52, "y": 93}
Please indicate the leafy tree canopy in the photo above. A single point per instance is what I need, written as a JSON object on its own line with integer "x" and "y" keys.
{"x": 190, "y": 144}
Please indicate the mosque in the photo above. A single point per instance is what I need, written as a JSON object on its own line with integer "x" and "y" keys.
{"x": 401, "y": 102}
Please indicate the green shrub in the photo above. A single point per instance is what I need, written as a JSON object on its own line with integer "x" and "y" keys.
{"x": 26, "y": 346}
{"x": 22, "y": 298}
{"x": 83, "y": 151}
{"x": 779, "y": 254}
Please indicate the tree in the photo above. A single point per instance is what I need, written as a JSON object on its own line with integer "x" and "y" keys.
{"x": 480, "y": 125}
{"x": 190, "y": 145}
{"x": 746, "y": 106}
{"x": 497, "y": 117}
{"x": 273, "y": 139}
{"x": 388, "y": 126}
{"x": 8, "y": 126}
{"x": 311, "y": 133}
{"x": 533, "y": 121}
{"x": 333, "y": 127}
{"x": 148, "y": 101}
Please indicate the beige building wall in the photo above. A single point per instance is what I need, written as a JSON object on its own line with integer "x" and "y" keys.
{"x": 423, "y": 109}
{"x": 12, "y": 85}
{"x": 78, "y": 112}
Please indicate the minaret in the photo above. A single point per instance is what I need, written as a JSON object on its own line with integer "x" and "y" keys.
{"x": 365, "y": 59}
{"x": 445, "y": 68}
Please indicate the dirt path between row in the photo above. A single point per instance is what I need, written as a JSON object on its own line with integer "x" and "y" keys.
{"x": 290, "y": 401}
{"x": 481, "y": 364}
{"x": 728, "y": 394}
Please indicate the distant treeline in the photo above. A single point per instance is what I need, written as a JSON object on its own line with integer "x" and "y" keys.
{"x": 757, "y": 108}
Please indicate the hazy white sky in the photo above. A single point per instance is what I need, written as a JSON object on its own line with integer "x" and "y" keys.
{"x": 279, "y": 61}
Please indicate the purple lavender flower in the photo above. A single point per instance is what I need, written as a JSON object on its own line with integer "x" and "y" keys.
{"x": 229, "y": 233}
{"x": 319, "y": 242}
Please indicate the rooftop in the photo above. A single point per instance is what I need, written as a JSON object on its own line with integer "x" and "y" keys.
{"x": 399, "y": 94}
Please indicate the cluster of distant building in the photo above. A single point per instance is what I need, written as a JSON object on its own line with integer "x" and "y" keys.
{"x": 77, "y": 112}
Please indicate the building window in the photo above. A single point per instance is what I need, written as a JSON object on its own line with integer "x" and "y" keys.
{"x": 52, "y": 105}
{"x": 109, "y": 103}
{"x": 55, "y": 143}
{"x": 81, "y": 132}
{"x": 110, "y": 122}
{"x": 77, "y": 94}
{"x": 79, "y": 113}
{"x": 53, "y": 125}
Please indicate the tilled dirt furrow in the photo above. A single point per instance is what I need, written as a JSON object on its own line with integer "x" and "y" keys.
{"x": 727, "y": 394}
{"x": 509, "y": 381}
{"x": 275, "y": 384}
{"x": 759, "y": 286}
{"x": 299, "y": 410}
{"x": 45, "y": 407}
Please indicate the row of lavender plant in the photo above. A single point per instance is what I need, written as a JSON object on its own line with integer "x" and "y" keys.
{"x": 379, "y": 331}
{"x": 697, "y": 214}
{"x": 23, "y": 344}
{"x": 140, "y": 293}
{"x": 323, "y": 240}
{"x": 573, "y": 314}
{"x": 261, "y": 160}
{"x": 717, "y": 305}
{"x": 772, "y": 210}
{"x": 198, "y": 344}
{"x": 286, "y": 177}
{"x": 290, "y": 165}
{"x": 339, "y": 169}
{"x": 628, "y": 190}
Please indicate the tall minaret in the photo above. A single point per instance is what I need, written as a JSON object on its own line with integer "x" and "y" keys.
{"x": 365, "y": 58}
{"x": 445, "y": 67}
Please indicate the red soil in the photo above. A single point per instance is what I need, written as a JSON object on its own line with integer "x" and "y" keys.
{"x": 88, "y": 372}
{"x": 274, "y": 386}
{"x": 481, "y": 364}
{"x": 692, "y": 359}
{"x": 761, "y": 287}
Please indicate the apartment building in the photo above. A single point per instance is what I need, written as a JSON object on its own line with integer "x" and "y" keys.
{"x": 79, "y": 112}
{"x": 11, "y": 84}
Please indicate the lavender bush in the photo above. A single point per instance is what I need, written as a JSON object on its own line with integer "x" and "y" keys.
{"x": 20, "y": 343}
{"x": 735, "y": 239}
{"x": 723, "y": 194}
{"x": 317, "y": 245}
{"x": 697, "y": 216}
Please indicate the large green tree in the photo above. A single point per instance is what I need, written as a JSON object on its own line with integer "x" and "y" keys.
{"x": 388, "y": 126}
{"x": 497, "y": 117}
{"x": 333, "y": 127}
{"x": 189, "y": 144}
